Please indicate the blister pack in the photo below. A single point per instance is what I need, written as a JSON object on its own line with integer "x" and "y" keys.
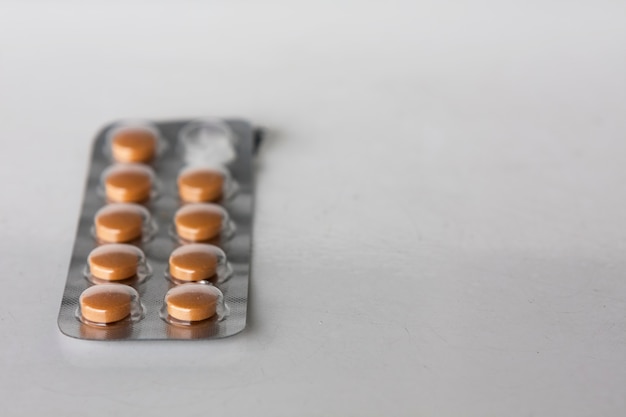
{"x": 163, "y": 247}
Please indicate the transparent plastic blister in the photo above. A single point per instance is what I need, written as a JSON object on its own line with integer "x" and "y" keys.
{"x": 166, "y": 220}
{"x": 109, "y": 305}
{"x": 193, "y": 304}
{"x": 202, "y": 222}
{"x": 205, "y": 184}
{"x": 134, "y": 141}
{"x": 129, "y": 183}
{"x": 207, "y": 141}
{"x": 118, "y": 263}
{"x": 123, "y": 223}
{"x": 200, "y": 263}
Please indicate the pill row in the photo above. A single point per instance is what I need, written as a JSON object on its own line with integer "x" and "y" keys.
{"x": 196, "y": 222}
{"x": 136, "y": 183}
{"x": 164, "y": 188}
{"x": 127, "y": 264}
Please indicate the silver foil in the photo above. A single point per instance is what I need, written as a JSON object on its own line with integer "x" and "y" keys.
{"x": 158, "y": 249}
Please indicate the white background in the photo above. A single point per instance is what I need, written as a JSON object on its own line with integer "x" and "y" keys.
{"x": 440, "y": 223}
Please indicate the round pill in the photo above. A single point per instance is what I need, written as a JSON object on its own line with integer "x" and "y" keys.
{"x": 114, "y": 262}
{"x": 194, "y": 262}
{"x": 118, "y": 223}
{"x": 199, "y": 185}
{"x": 192, "y": 302}
{"x": 133, "y": 144}
{"x": 199, "y": 222}
{"x": 128, "y": 183}
{"x": 106, "y": 303}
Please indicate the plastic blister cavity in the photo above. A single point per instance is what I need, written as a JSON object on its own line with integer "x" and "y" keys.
{"x": 134, "y": 141}
{"x": 109, "y": 304}
{"x": 203, "y": 184}
{"x": 198, "y": 262}
{"x": 194, "y": 303}
{"x": 129, "y": 183}
{"x": 123, "y": 223}
{"x": 203, "y": 222}
{"x": 117, "y": 262}
{"x": 207, "y": 141}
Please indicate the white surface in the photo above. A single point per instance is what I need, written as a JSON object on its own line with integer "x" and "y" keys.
{"x": 440, "y": 214}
